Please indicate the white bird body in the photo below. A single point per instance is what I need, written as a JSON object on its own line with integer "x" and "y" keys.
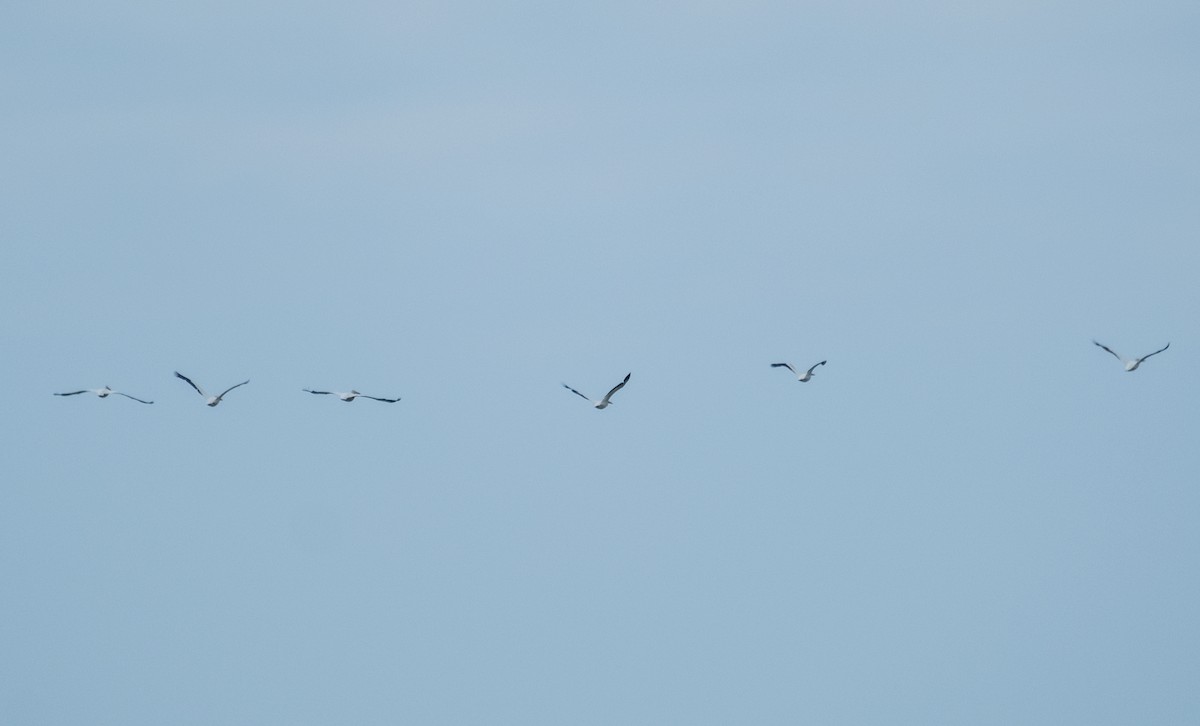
{"x": 211, "y": 401}
{"x": 350, "y": 395}
{"x": 803, "y": 377}
{"x": 102, "y": 393}
{"x": 603, "y": 403}
{"x": 1131, "y": 365}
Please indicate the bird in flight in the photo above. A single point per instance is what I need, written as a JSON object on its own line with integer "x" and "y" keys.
{"x": 1131, "y": 365}
{"x": 212, "y": 400}
{"x": 102, "y": 393}
{"x": 603, "y": 402}
{"x": 351, "y": 395}
{"x": 804, "y": 377}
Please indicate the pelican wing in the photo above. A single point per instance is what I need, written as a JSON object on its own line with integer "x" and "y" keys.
{"x": 1110, "y": 350}
{"x": 73, "y": 393}
{"x": 227, "y": 390}
{"x": 193, "y": 385}
{"x": 1168, "y": 345}
{"x": 319, "y": 393}
{"x": 785, "y": 365}
{"x": 810, "y": 370}
{"x": 126, "y": 395}
{"x": 616, "y": 388}
{"x": 385, "y": 400}
{"x": 577, "y": 393}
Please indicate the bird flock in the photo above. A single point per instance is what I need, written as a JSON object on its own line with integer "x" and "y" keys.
{"x": 802, "y": 375}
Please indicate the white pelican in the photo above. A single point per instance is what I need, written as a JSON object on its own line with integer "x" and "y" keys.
{"x": 603, "y": 402}
{"x": 1132, "y": 365}
{"x": 351, "y": 395}
{"x": 804, "y": 377}
{"x": 212, "y": 400}
{"x": 102, "y": 393}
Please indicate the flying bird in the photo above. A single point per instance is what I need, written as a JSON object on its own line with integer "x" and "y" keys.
{"x": 603, "y": 402}
{"x": 212, "y": 400}
{"x": 351, "y": 395}
{"x": 1132, "y": 365}
{"x": 804, "y": 377}
{"x": 102, "y": 393}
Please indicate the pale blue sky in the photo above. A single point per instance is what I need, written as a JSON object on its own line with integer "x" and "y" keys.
{"x": 970, "y": 515}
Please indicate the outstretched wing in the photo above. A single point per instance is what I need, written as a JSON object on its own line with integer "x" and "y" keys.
{"x": 616, "y": 388}
{"x": 189, "y": 382}
{"x": 577, "y": 393}
{"x": 810, "y": 370}
{"x": 73, "y": 393}
{"x": 1168, "y": 345}
{"x": 227, "y": 390}
{"x": 1110, "y": 350}
{"x": 385, "y": 400}
{"x": 785, "y": 365}
{"x": 126, "y": 395}
{"x": 319, "y": 393}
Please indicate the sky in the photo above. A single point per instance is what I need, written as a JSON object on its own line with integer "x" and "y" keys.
{"x": 970, "y": 515}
